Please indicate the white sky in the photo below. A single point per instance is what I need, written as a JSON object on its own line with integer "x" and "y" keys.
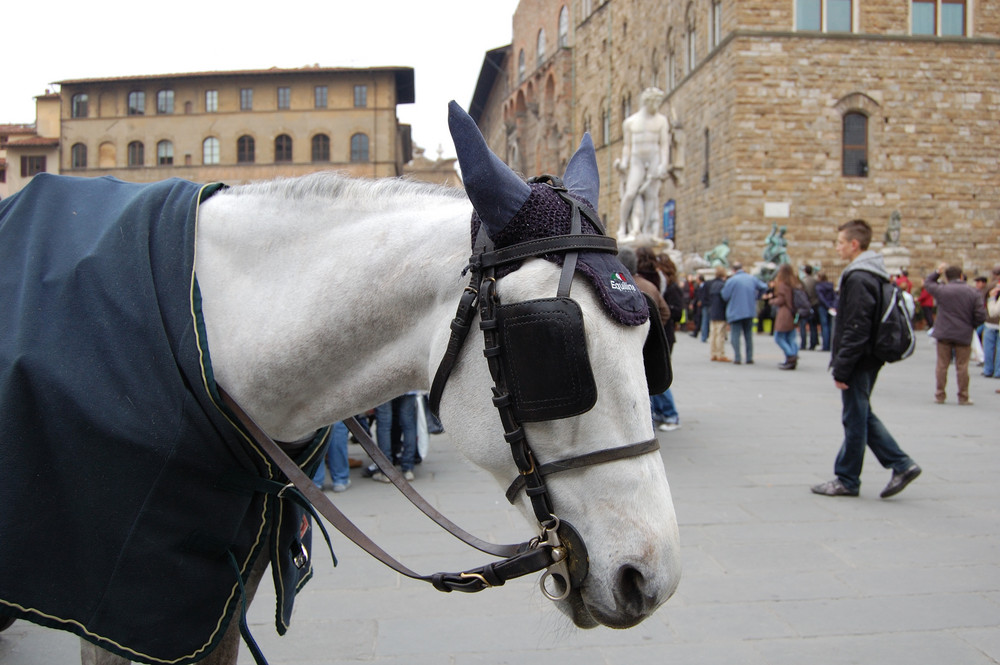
{"x": 443, "y": 40}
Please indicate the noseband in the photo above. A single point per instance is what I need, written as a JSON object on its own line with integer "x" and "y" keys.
{"x": 536, "y": 352}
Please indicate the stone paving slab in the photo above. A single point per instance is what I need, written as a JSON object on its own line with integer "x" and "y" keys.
{"x": 773, "y": 575}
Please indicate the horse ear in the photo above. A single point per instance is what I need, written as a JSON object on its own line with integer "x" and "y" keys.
{"x": 582, "y": 177}
{"x": 496, "y": 192}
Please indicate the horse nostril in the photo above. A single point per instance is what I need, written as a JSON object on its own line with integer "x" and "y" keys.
{"x": 631, "y": 592}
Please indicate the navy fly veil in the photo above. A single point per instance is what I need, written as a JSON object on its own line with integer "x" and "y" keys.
{"x": 128, "y": 498}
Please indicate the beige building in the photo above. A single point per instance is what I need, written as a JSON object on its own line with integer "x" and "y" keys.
{"x": 803, "y": 113}
{"x": 221, "y": 126}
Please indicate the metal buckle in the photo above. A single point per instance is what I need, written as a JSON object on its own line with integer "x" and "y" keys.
{"x": 559, "y": 569}
{"x": 476, "y": 576}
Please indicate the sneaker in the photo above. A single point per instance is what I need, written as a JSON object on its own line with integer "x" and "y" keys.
{"x": 380, "y": 477}
{"x": 341, "y": 487}
{"x": 669, "y": 427}
{"x": 899, "y": 481}
{"x": 408, "y": 475}
{"x": 967, "y": 402}
{"x": 833, "y": 488}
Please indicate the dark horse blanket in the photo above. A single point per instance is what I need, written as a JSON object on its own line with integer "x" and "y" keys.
{"x": 129, "y": 499}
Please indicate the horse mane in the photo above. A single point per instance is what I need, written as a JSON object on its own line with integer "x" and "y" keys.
{"x": 362, "y": 192}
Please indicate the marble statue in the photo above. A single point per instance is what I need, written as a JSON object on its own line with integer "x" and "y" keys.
{"x": 895, "y": 229}
{"x": 643, "y": 165}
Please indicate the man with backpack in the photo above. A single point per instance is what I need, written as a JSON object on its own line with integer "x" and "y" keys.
{"x": 961, "y": 309}
{"x": 855, "y": 369}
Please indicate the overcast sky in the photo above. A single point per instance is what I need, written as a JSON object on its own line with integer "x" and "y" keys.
{"x": 443, "y": 40}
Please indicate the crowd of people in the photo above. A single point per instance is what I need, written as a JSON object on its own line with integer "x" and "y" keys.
{"x": 839, "y": 319}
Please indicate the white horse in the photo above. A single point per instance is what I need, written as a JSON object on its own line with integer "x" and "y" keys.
{"x": 323, "y": 296}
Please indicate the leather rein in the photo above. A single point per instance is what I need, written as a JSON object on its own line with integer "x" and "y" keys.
{"x": 558, "y": 549}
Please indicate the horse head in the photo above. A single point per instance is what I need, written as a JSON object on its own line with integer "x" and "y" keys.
{"x": 622, "y": 508}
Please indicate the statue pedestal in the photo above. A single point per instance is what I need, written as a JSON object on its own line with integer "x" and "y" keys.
{"x": 765, "y": 270}
{"x": 896, "y": 258}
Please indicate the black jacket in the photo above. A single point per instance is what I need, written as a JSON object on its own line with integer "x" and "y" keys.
{"x": 855, "y": 321}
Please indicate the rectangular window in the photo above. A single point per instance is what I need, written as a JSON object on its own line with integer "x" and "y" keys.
{"x": 284, "y": 98}
{"x": 211, "y": 101}
{"x": 824, "y": 15}
{"x": 855, "y": 145}
{"x": 32, "y": 165}
{"x": 704, "y": 176}
{"x": 137, "y": 103}
{"x": 246, "y": 99}
{"x": 165, "y": 102}
{"x": 360, "y": 96}
{"x": 320, "y": 96}
{"x": 808, "y": 15}
{"x": 716, "y": 29}
{"x": 691, "y": 50}
{"x": 838, "y": 15}
{"x": 924, "y": 17}
{"x": 953, "y": 18}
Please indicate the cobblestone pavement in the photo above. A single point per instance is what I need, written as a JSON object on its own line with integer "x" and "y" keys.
{"x": 773, "y": 574}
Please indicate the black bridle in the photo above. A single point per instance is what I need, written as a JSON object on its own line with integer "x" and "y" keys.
{"x": 570, "y": 560}
{"x": 558, "y": 549}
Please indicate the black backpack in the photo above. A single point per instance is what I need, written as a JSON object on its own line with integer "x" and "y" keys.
{"x": 800, "y": 304}
{"x": 893, "y": 338}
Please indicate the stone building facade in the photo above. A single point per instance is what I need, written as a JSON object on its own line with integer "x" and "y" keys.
{"x": 803, "y": 113}
{"x": 232, "y": 127}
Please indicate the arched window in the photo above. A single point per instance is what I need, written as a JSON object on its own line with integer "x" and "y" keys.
{"x": 137, "y": 102}
{"x": 359, "y": 148}
{"x": 79, "y": 106}
{"x": 855, "y": 144}
{"x": 210, "y": 151}
{"x": 321, "y": 148}
{"x": 563, "y": 27}
{"x": 107, "y": 155}
{"x": 164, "y": 153}
{"x": 520, "y": 66}
{"x": 136, "y": 154}
{"x": 245, "y": 150}
{"x": 540, "y": 48}
{"x": 690, "y": 38}
{"x": 78, "y": 156}
{"x": 283, "y": 148}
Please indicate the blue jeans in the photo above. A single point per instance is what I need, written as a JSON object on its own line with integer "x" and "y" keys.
{"x": 407, "y": 409}
{"x": 863, "y": 428}
{"x": 742, "y": 327}
{"x": 813, "y": 324}
{"x": 705, "y": 321}
{"x": 824, "y": 326}
{"x": 663, "y": 407}
{"x": 786, "y": 340}
{"x": 991, "y": 353}
{"x": 336, "y": 458}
